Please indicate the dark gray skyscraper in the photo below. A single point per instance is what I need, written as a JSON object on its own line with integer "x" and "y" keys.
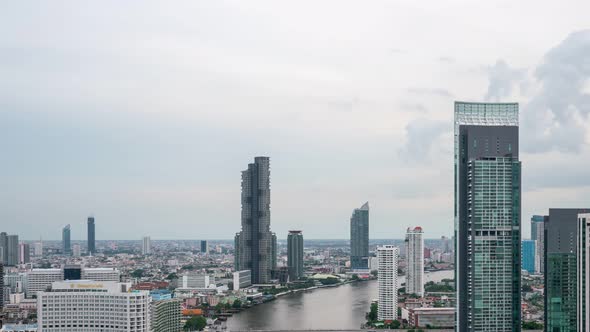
{"x": 91, "y": 236}
{"x": 295, "y": 255}
{"x": 1, "y": 286}
{"x": 12, "y": 249}
{"x": 3, "y": 248}
{"x": 254, "y": 244}
{"x": 204, "y": 247}
{"x": 65, "y": 238}
{"x": 359, "y": 238}
{"x": 487, "y": 217}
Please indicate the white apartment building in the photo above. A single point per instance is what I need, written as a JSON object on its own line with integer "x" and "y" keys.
{"x": 197, "y": 281}
{"x": 415, "y": 261}
{"x": 387, "y": 276}
{"x": 166, "y": 315}
{"x": 146, "y": 246}
{"x": 101, "y": 274}
{"x": 39, "y": 279}
{"x": 242, "y": 279}
{"x": 90, "y": 306}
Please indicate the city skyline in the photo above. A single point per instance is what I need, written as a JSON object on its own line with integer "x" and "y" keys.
{"x": 352, "y": 111}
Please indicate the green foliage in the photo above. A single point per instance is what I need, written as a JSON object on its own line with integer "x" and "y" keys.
{"x": 137, "y": 273}
{"x": 527, "y": 288}
{"x": 196, "y": 323}
{"x": 172, "y": 276}
{"x": 372, "y": 314}
{"x": 331, "y": 281}
{"x": 355, "y": 277}
{"x": 532, "y": 326}
{"x": 374, "y": 273}
{"x": 237, "y": 304}
{"x": 434, "y": 288}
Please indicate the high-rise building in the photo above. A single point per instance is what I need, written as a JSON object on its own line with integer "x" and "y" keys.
{"x": 583, "y": 289}
{"x": 12, "y": 246}
{"x": 295, "y": 254}
{"x": 254, "y": 243}
{"x": 4, "y": 248}
{"x": 387, "y": 277}
{"x": 196, "y": 280}
{"x": 204, "y": 247}
{"x": 146, "y": 246}
{"x": 242, "y": 279}
{"x": 39, "y": 279}
{"x": 237, "y": 250}
{"x": 166, "y": 315}
{"x": 91, "y": 236}
{"x": 105, "y": 306}
{"x": 529, "y": 255}
{"x": 66, "y": 240}
{"x": 359, "y": 238}
{"x": 561, "y": 269}
{"x": 1, "y": 286}
{"x": 274, "y": 252}
{"x": 24, "y": 253}
{"x": 487, "y": 217}
{"x": 38, "y": 249}
{"x": 415, "y": 261}
{"x": 538, "y": 234}
{"x": 101, "y": 274}
{"x": 446, "y": 244}
{"x": 76, "y": 250}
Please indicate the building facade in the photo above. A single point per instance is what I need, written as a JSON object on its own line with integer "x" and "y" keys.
{"x": 583, "y": 289}
{"x": 197, "y": 280}
{"x": 538, "y": 234}
{"x": 529, "y": 255}
{"x": 24, "y": 253}
{"x": 359, "y": 238}
{"x": 487, "y": 217}
{"x": 295, "y": 254}
{"x": 387, "y": 278}
{"x": 105, "y": 306}
{"x": 101, "y": 274}
{"x": 242, "y": 279}
{"x": 204, "y": 247}
{"x": 4, "y": 248}
{"x": 561, "y": 269}
{"x": 12, "y": 250}
{"x": 254, "y": 244}
{"x": 415, "y": 261}
{"x": 91, "y": 236}
{"x": 39, "y": 279}
{"x": 66, "y": 240}
{"x": 1, "y": 286}
{"x": 166, "y": 315}
{"x": 146, "y": 245}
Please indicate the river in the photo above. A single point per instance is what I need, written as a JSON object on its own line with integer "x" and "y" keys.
{"x": 342, "y": 307}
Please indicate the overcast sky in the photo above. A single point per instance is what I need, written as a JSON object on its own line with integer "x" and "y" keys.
{"x": 144, "y": 113}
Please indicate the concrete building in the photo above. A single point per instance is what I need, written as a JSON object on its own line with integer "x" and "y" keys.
{"x": 91, "y": 236}
{"x": 242, "y": 279}
{"x": 1, "y": 286}
{"x": 415, "y": 261}
{"x": 487, "y": 217}
{"x": 538, "y": 234}
{"x": 193, "y": 280}
{"x": 295, "y": 255}
{"x": 100, "y": 306}
{"x": 38, "y": 249}
{"x": 24, "y": 253}
{"x": 39, "y": 279}
{"x": 387, "y": 276}
{"x": 101, "y": 274}
{"x": 426, "y": 317}
{"x": 66, "y": 240}
{"x": 273, "y": 251}
{"x": 146, "y": 246}
{"x": 166, "y": 316}
{"x": 528, "y": 255}
{"x": 204, "y": 247}
{"x": 359, "y": 238}
{"x": 12, "y": 250}
{"x": 4, "y": 248}
{"x": 583, "y": 258}
{"x": 254, "y": 244}
{"x": 76, "y": 250}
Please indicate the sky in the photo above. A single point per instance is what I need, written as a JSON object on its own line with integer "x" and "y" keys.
{"x": 144, "y": 113}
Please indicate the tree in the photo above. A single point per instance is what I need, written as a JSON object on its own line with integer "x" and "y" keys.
{"x": 527, "y": 288}
{"x": 137, "y": 273}
{"x": 374, "y": 273}
{"x": 172, "y": 276}
{"x": 532, "y": 326}
{"x": 195, "y": 323}
{"x": 237, "y": 304}
{"x": 355, "y": 277}
{"x": 372, "y": 314}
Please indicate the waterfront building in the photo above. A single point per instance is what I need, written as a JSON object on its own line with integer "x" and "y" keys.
{"x": 104, "y": 306}
{"x": 387, "y": 277}
{"x": 274, "y": 252}
{"x": 66, "y": 240}
{"x": 166, "y": 315}
{"x": 24, "y": 253}
{"x": 146, "y": 246}
{"x": 359, "y": 238}
{"x": 204, "y": 247}
{"x": 487, "y": 217}
{"x": 91, "y": 236}
{"x": 528, "y": 255}
{"x": 561, "y": 269}
{"x": 242, "y": 279}
{"x": 428, "y": 317}
{"x": 254, "y": 244}
{"x": 295, "y": 254}
{"x": 538, "y": 234}
{"x": 415, "y": 261}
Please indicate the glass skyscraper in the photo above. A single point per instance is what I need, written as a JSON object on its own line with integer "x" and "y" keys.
{"x": 487, "y": 217}
{"x": 583, "y": 272}
{"x": 359, "y": 238}
{"x": 65, "y": 238}
{"x": 255, "y": 244}
{"x": 561, "y": 269}
{"x": 538, "y": 234}
{"x": 529, "y": 255}
{"x": 295, "y": 255}
{"x": 91, "y": 236}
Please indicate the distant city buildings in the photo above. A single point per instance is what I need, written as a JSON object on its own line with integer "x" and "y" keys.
{"x": 359, "y": 238}
{"x": 91, "y": 236}
{"x": 39, "y": 279}
{"x": 146, "y": 246}
{"x": 295, "y": 254}
{"x": 12, "y": 246}
{"x": 528, "y": 255}
{"x": 24, "y": 253}
{"x": 538, "y": 234}
{"x": 1, "y": 286}
{"x": 204, "y": 246}
{"x": 99, "y": 307}
{"x": 65, "y": 238}
{"x": 196, "y": 280}
{"x": 415, "y": 261}
{"x": 487, "y": 217}
{"x": 76, "y": 250}
{"x": 561, "y": 269}
{"x": 387, "y": 278}
{"x": 254, "y": 244}
{"x": 38, "y": 249}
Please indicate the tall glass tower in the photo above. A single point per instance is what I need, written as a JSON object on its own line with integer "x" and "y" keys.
{"x": 254, "y": 244}
{"x": 295, "y": 255}
{"x": 65, "y": 238}
{"x": 91, "y": 236}
{"x": 538, "y": 234}
{"x": 487, "y": 217}
{"x": 359, "y": 238}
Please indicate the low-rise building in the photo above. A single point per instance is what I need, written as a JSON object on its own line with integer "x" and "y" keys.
{"x": 432, "y": 317}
